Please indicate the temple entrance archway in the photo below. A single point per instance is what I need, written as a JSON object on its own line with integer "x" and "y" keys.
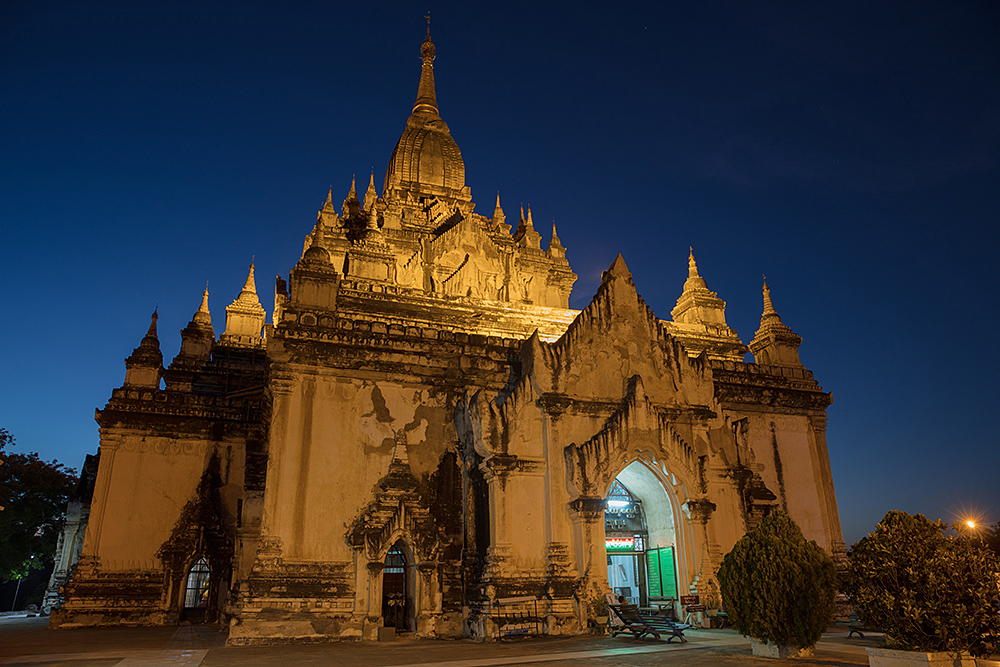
{"x": 643, "y": 538}
{"x": 397, "y": 589}
{"x": 197, "y": 588}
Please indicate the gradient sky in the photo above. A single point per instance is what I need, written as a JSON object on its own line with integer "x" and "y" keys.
{"x": 849, "y": 150}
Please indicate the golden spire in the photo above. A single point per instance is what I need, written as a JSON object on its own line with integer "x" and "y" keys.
{"x": 151, "y": 332}
{"x": 249, "y": 287}
{"x": 371, "y": 195}
{"x": 426, "y": 103}
{"x": 352, "y": 193}
{"x": 204, "y": 315}
{"x": 768, "y": 306}
{"x": 329, "y": 198}
{"x": 694, "y": 280}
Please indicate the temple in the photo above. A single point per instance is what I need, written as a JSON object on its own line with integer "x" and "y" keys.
{"x": 425, "y": 435}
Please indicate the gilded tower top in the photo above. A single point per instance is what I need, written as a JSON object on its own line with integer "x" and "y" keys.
{"x": 426, "y": 162}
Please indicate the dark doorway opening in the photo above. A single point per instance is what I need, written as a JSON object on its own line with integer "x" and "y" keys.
{"x": 196, "y": 591}
{"x": 396, "y": 604}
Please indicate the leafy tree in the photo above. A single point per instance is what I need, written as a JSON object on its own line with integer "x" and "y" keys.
{"x": 33, "y": 494}
{"x": 927, "y": 590}
{"x": 777, "y": 587}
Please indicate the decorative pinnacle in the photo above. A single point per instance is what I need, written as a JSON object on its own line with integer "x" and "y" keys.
{"x": 352, "y": 193}
{"x": 203, "y": 314}
{"x": 151, "y": 332}
{"x": 692, "y": 267}
{"x": 426, "y": 103}
{"x": 768, "y": 306}
{"x": 250, "y": 286}
{"x": 371, "y": 195}
{"x": 329, "y": 197}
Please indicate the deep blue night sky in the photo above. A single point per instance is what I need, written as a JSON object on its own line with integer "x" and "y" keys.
{"x": 850, "y": 151}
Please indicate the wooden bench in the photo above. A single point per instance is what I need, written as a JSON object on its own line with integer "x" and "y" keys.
{"x": 640, "y": 626}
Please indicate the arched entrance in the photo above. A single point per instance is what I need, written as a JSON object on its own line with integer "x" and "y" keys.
{"x": 397, "y": 602}
{"x": 641, "y": 538}
{"x": 197, "y": 589}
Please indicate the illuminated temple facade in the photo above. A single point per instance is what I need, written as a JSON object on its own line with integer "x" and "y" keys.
{"x": 424, "y": 432}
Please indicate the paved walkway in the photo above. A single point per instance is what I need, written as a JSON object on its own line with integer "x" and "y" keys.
{"x": 27, "y": 641}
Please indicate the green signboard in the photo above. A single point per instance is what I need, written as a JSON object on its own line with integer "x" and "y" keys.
{"x": 661, "y": 573}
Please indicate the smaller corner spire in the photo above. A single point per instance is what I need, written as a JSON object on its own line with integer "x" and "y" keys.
{"x": 203, "y": 315}
{"x": 329, "y": 197}
{"x": 151, "y": 332}
{"x": 352, "y": 193}
{"x": 371, "y": 194}
{"x": 250, "y": 285}
{"x": 145, "y": 365}
{"x": 768, "y": 306}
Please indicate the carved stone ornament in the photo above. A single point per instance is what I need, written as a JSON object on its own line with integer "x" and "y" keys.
{"x": 700, "y": 509}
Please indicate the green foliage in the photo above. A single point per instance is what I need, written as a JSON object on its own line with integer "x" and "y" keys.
{"x": 927, "y": 590}
{"x": 777, "y": 587}
{"x": 598, "y": 606}
{"x": 33, "y": 494}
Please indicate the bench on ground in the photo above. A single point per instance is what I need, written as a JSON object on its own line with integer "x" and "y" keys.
{"x": 640, "y": 626}
{"x": 855, "y": 626}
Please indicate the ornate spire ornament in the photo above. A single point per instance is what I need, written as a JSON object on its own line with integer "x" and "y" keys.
{"x": 768, "y": 306}
{"x": 204, "y": 315}
{"x": 371, "y": 195}
{"x": 774, "y": 344}
{"x": 426, "y": 103}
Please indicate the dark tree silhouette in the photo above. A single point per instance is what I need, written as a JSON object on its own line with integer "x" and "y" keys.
{"x": 33, "y": 494}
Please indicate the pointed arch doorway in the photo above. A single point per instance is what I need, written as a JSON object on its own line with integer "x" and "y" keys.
{"x": 197, "y": 592}
{"x": 641, "y": 538}
{"x": 397, "y": 599}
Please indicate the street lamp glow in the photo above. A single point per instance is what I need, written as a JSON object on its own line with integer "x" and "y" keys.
{"x": 970, "y": 524}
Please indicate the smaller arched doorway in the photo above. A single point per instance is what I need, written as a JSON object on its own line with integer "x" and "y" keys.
{"x": 197, "y": 591}
{"x": 397, "y": 603}
{"x": 625, "y": 538}
{"x": 641, "y": 537}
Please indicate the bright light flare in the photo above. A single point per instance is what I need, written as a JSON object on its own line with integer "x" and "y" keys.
{"x": 971, "y": 524}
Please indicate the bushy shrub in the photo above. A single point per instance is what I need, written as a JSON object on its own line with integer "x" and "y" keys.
{"x": 925, "y": 589}
{"x": 777, "y": 587}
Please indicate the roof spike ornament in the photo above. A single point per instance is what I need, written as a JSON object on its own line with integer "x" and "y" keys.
{"x": 245, "y": 316}
{"x": 426, "y": 103}
{"x": 556, "y": 249}
{"x": 203, "y": 315}
{"x": 144, "y": 366}
{"x": 371, "y": 195}
{"x": 768, "y": 306}
{"x": 694, "y": 281}
{"x": 774, "y": 344}
{"x": 351, "y": 205}
{"x": 700, "y": 317}
{"x": 250, "y": 285}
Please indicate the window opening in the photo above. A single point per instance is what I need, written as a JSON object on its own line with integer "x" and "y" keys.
{"x": 196, "y": 591}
